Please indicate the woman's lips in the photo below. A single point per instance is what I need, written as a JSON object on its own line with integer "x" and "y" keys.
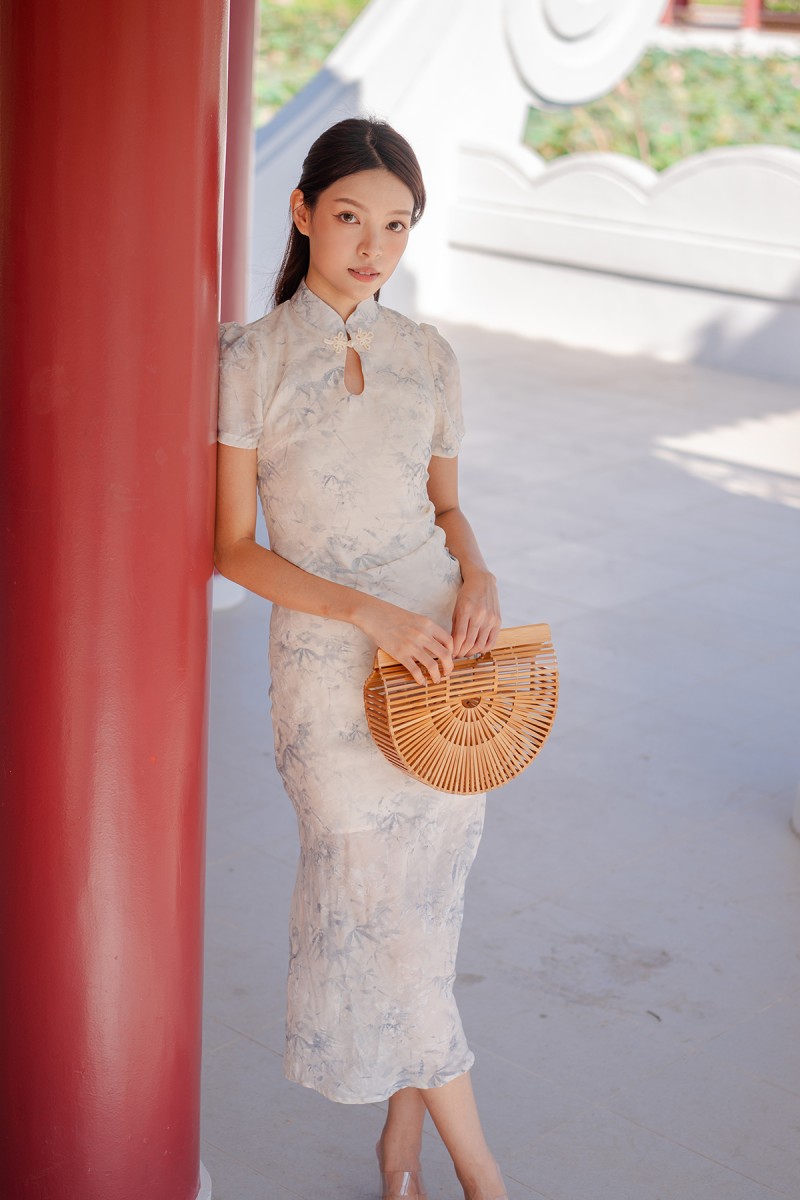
{"x": 364, "y": 276}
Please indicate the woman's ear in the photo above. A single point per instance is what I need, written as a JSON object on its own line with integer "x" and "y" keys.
{"x": 300, "y": 215}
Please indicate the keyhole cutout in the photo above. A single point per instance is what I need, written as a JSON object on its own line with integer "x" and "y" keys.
{"x": 353, "y": 374}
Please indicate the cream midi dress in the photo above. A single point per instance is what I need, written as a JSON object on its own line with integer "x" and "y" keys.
{"x": 377, "y": 905}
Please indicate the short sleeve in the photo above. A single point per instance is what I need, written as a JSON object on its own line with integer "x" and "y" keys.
{"x": 241, "y": 416}
{"x": 449, "y": 426}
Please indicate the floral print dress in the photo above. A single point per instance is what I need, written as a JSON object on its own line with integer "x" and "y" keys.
{"x": 378, "y": 900}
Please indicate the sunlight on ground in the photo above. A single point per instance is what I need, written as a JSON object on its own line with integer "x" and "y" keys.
{"x": 751, "y": 458}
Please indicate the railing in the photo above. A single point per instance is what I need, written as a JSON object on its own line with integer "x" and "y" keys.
{"x": 755, "y": 14}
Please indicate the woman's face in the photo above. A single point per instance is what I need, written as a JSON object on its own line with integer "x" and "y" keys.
{"x": 357, "y": 233}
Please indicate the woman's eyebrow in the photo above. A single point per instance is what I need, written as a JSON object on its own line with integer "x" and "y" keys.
{"x": 403, "y": 212}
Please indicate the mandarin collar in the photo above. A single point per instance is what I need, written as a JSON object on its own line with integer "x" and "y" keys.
{"x": 320, "y": 314}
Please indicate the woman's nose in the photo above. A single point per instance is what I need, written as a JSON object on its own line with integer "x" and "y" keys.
{"x": 370, "y": 243}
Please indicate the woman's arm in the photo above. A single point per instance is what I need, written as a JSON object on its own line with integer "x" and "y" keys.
{"x": 411, "y": 638}
{"x": 476, "y": 616}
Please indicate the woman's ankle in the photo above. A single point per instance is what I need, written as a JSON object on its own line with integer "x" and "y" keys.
{"x": 481, "y": 1179}
{"x": 398, "y": 1151}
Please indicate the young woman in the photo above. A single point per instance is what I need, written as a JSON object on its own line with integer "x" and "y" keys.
{"x": 345, "y": 418}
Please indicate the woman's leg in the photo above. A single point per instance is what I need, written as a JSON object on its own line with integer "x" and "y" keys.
{"x": 455, "y": 1115}
{"x": 401, "y": 1139}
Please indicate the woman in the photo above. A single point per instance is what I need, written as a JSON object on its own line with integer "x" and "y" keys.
{"x": 345, "y": 418}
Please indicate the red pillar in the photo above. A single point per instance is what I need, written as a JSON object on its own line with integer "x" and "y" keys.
{"x": 751, "y": 14}
{"x": 238, "y": 161}
{"x": 671, "y": 9}
{"x": 109, "y": 185}
{"x": 237, "y": 208}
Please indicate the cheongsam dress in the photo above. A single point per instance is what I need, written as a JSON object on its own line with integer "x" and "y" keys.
{"x": 377, "y": 905}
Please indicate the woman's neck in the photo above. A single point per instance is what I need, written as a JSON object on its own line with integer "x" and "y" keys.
{"x": 341, "y": 303}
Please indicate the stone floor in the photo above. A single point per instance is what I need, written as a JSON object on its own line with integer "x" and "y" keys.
{"x": 629, "y": 975}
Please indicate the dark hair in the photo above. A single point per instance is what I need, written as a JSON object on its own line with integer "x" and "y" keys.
{"x": 353, "y": 145}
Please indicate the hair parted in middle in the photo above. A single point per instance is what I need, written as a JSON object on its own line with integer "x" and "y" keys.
{"x": 352, "y": 145}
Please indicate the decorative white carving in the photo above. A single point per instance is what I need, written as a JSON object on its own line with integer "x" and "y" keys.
{"x": 700, "y": 262}
{"x": 724, "y": 220}
{"x": 571, "y": 51}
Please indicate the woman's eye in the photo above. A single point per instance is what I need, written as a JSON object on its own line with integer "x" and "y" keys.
{"x": 396, "y": 226}
{"x": 347, "y": 217}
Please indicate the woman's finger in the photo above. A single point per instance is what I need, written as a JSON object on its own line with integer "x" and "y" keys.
{"x": 468, "y": 637}
{"x": 429, "y": 661}
{"x": 460, "y": 624}
{"x": 468, "y": 645}
{"x": 482, "y": 631}
{"x": 445, "y": 662}
{"x": 414, "y": 670}
{"x": 487, "y": 635}
{"x": 491, "y": 641}
{"x": 441, "y": 640}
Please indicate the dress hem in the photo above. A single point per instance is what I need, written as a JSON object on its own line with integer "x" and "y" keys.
{"x": 423, "y": 1087}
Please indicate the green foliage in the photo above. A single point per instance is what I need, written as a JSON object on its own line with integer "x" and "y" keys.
{"x": 776, "y": 6}
{"x": 676, "y": 104}
{"x": 295, "y": 38}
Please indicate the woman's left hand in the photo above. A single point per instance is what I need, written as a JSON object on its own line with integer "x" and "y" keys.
{"x": 476, "y": 615}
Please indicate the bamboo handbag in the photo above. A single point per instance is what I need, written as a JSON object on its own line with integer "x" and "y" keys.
{"x": 479, "y": 727}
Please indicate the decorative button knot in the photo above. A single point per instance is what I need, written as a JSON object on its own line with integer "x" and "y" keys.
{"x": 338, "y": 342}
{"x": 362, "y": 340}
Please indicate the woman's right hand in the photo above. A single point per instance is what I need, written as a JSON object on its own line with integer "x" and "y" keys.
{"x": 414, "y": 640}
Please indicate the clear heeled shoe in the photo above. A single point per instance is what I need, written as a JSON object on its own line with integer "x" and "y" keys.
{"x": 400, "y": 1185}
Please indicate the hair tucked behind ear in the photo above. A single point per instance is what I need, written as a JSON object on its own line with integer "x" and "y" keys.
{"x": 353, "y": 145}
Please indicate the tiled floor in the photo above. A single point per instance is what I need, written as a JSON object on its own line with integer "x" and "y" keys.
{"x": 629, "y": 969}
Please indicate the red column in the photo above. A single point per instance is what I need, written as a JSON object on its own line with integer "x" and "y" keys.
{"x": 238, "y": 161}
{"x": 672, "y": 6}
{"x": 751, "y": 14}
{"x": 238, "y": 202}
{"x": 109, "y": 186}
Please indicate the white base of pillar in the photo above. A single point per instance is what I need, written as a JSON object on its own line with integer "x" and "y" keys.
{"x": 225, "y": 593}
{"x": 796, "y": 813}
{"x": 205, "y": 1184}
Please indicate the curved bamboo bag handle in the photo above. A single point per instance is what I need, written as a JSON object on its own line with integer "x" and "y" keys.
{"x": 479, "y": 727}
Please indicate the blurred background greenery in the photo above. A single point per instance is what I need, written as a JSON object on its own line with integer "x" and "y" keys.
{"x": 776, "y": 6}
{"x": 295, "y": 38}
{"x": 674, "y": 105}
{"x": 670, "y": 106}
